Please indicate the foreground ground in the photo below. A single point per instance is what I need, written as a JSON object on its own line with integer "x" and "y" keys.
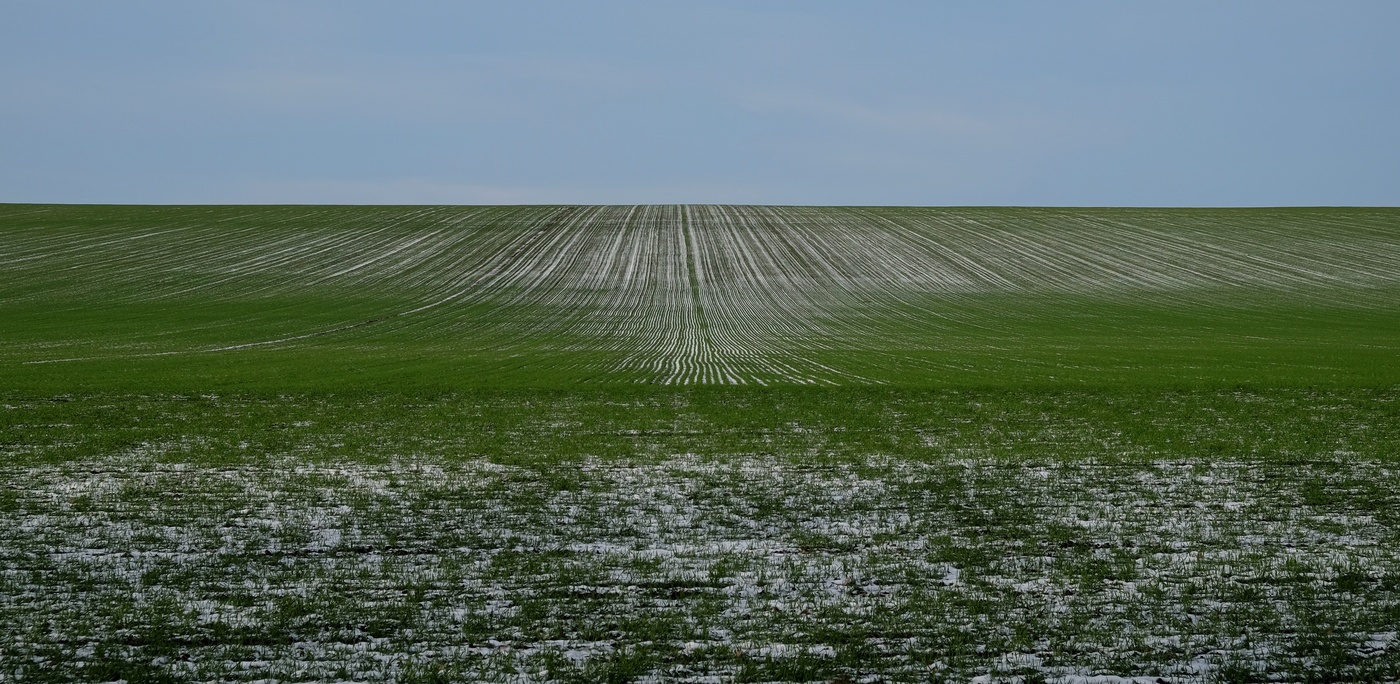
{"x": 704, "y": 443}
{"x": 758, "y": 535}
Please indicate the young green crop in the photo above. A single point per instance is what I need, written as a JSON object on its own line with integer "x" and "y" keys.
{"x": 272, "y": 299}
{"x": 698, "y": 442}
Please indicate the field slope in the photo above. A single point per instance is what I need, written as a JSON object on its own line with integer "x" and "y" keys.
{"x": 326, "y": 297}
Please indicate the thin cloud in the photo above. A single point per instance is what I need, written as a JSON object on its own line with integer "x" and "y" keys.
{"x": 916, "y": 120}
{"x": 432, "y": 191}
{"x": 463, "y": 91}
{"x": 384, "y": 191}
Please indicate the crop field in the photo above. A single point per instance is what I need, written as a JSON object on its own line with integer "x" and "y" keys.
{"x": 699, "y": 443}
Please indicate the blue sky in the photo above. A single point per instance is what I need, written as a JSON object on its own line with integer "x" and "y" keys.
{"x": 1170, "y": 103}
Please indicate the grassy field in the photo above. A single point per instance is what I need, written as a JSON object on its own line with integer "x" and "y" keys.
{"x": 699, "y": 442}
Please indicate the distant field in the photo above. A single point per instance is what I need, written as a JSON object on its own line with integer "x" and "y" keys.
{"x": 698, "y": 442}
{"x": 327, "y": 298}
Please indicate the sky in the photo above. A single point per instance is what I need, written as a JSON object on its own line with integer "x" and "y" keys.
{"x": 981, "y": 102}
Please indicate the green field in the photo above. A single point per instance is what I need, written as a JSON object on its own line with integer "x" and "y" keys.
{"x": 556, "y": 443}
